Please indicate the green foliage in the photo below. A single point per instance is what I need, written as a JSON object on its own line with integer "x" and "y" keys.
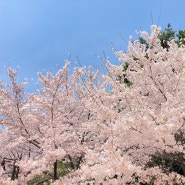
{"x": 135, "y": 181}
{"x": 143, "y": 42}
{"x": 181, "y": 38}
{"x": 127, "y": 82}
{"x": 122, "y": 78}
{"x": 40, "y": 179}
{"x": 168, "y": 162}
{"x": 63, "y": 168}
{"x": 166, "y": 36}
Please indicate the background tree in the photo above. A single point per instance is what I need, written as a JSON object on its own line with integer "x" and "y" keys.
{"x": 180, "y": 37}
{"x": 166, "y": 36}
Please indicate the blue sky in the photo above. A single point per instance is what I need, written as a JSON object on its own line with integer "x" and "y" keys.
{"x": 38, "y": 35}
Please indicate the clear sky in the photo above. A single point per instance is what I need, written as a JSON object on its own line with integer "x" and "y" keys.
{"x": 38, "y": 35}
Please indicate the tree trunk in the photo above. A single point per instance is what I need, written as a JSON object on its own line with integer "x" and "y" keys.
{"x": 17, "y": 172}
{"x": 55, "y": 176}
{"x": 181, "y": 159}
{"x": 14, "y": 174}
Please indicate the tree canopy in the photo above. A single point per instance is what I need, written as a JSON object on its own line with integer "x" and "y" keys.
{"x": 75, "y": 130}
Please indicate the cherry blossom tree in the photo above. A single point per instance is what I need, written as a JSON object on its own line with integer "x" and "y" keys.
{"x": 141, "y": 125}
{"x": 42, "y": 128}
{"x": 16, "y": 141}
{"x": 59, "y": 116}
{"x": 124, "y": 127}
